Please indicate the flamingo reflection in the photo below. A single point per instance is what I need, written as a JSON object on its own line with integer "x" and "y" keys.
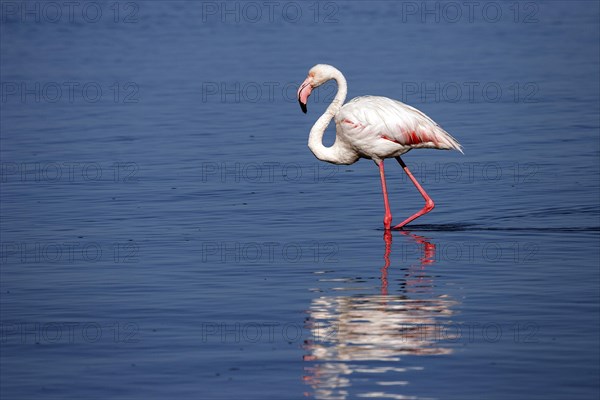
{"x": 348, "y": 331}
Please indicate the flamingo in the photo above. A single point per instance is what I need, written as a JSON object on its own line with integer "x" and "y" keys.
{"x": 372, "y": 127}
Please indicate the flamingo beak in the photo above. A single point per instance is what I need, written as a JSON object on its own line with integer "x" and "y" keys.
{"x": 303, "y": 92}
{"x": 303, "y": 106}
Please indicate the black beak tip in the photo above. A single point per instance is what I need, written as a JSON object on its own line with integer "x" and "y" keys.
{"x": 302, "y": 106}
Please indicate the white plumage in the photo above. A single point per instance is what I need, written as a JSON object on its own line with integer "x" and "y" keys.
{"x": 380, "y": 127}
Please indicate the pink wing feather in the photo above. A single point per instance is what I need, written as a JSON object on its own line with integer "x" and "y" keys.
{"x": 397, "y": 122}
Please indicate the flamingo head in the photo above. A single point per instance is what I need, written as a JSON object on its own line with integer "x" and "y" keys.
{"x": 318, "y": 75}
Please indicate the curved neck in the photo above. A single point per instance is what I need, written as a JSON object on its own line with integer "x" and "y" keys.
{"x": 338, "y": 153}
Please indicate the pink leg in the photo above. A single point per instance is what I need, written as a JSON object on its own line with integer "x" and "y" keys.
{"x": 428, "y": 202}
{"x": 387, "y": 219}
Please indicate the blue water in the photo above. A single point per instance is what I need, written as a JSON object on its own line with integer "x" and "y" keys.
{"x": 166, "y": 233}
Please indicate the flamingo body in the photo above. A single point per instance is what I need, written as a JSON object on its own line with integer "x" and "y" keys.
{"x": 372, "y": 127}
{"x": 379, "y": 127}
